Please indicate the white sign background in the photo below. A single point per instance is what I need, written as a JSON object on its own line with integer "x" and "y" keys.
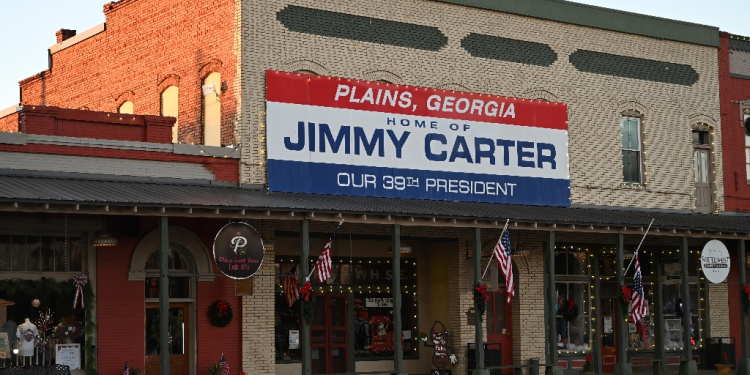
{"x": 715, "y": 261}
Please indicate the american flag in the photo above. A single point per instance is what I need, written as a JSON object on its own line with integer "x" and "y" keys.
{"x": 224, "y": 366}
{"x": 127, "y": 369}
{"x": 290, "y": 288}
{"x": 502, "y": 255}
{"x": 323, "y": 265}
{"x": 638, "y": 306}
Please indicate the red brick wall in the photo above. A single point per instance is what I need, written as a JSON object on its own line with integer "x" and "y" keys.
{"x": 121, "y": 331}
{"x": 736, "y": 188}
{"x": 145, "y": 43}
{"x": 9, "y": 123}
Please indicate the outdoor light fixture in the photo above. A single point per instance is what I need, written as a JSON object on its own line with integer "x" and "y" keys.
{"x": 36, "y": 302}
{"x": 103, "y": 239}
{"x": 627, "y": 255}
{"x": 521, "y": 253}
{"x": 268, "y": 246}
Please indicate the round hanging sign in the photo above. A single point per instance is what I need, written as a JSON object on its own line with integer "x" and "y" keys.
{"x": 715, "y": 261}
{"x": 238, "y": 250}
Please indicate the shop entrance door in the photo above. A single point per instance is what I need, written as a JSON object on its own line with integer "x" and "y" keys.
{"x": 609, "y": 334}
{"x": 499, "y": 324}
{"x": 329, "y": 336}
{"x": 179, "y": 360}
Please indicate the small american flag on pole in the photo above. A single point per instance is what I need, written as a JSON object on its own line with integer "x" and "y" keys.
{"x": 502, "y": 255}
{"x": 290, "y": 288}
{"x": 638, "y": 306}
{"x": 127, "y": 369}
{"x": 224, "y": 366}
{"x": 323, "y": 265}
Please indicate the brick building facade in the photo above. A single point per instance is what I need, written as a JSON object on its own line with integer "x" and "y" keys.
{"x": 606, "y": 66}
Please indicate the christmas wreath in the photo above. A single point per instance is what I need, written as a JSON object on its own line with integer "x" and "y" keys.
{"x": 481, "y": 298}
{"x": 570, "y": 310}
{"x": 745, "y": 298}
{"x": 220, "y": 313}
{"x": 307, "y": 298}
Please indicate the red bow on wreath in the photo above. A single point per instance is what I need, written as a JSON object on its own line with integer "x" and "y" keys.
{"x": 571, "y": 304}
{"x": 626, "y": 294}
{"x": 482, "y": 289}
{"x": 80, "y": 281}
{"x": 305, "y": 291}
{"x": 223, "y": 307}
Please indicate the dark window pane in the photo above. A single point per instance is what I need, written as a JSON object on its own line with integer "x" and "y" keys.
{"x": 47, "y": 252}
{"x": 18, "y": 256}
{"x": 61, "y": 255}
{"x": 32, "y": 253}
{"x": 631, "y": 166}
{"x": 75, "y": 254}
{"x": 179, "y": 287}
{"x": 561, "y": 264}
{"x": 5, "y": 253}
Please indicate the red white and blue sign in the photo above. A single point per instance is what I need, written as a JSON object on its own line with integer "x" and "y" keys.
{"x": 328, "y": 135}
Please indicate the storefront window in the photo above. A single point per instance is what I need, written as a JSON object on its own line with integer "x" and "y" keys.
{"x": 674, "y": 309}
{"x": 572, "y": 316}
{"x": 368, "y": 280}
{"x": 641, "y": 333}
{"x": 41, "y": 253}
{"x": 571, "y": 260}
{"x": 179, "y": 287}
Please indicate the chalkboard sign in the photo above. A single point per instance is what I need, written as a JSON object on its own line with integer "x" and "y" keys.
{"x": 69, "y": 354}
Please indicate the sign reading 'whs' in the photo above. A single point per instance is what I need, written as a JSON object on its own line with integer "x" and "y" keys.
{"x": 339, "y": 136}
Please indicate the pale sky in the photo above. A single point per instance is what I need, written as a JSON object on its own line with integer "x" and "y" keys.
{"x": 28, "y": 28}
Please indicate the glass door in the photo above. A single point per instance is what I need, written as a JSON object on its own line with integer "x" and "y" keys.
{"x": 179, "y": 359}
{"x": 499, "y": 331}
{"x": 609, "y": 335}
{"x": 329, "y": 339}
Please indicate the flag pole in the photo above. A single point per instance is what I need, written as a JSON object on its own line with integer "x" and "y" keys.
{"x": 307, "y": 279}
{"x": 493, "y": 253}
{"x": 639, "y": 246}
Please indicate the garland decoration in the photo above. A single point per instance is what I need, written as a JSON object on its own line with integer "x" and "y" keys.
{"x": 220, "y": 313}
{"x": 570, "y": 310}
{"x": 480, "y": 298}
{"x": 307, "y": 299}
{"x": 745, "y": 298}
{"x": 80, "y": 281}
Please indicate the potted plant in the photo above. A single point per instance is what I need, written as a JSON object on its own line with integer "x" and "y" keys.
{"x": 69, "y": 329}
{"x": 588, "y": 369}
{"x": 724, "y": 367}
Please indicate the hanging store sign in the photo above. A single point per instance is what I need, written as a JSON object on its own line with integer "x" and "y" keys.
{"x": 346, "y": 137}
{"x": 238, "y": 250}
{"x": 715, "y": 261}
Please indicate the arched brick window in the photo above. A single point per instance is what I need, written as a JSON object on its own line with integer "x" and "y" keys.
{"x": 212, "y": 109}
{"x": 169, "y": 107}
{"x": 126, "y": 108}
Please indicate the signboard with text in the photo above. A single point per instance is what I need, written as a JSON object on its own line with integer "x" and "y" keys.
{"x": 715, "y": 261}
{"x": 339, "y": 136}
{"x": 238, "y": 250}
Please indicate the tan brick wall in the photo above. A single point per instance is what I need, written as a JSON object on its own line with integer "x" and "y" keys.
{"x": 718, "y": 299}
{"x": 258, "y": 351}
{"x": 595, "y": 101}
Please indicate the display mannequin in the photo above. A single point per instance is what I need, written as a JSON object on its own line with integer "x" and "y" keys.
{"x": 26, "y": 333}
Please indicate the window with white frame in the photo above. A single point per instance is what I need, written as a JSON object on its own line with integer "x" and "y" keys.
{"x": 631, "y": 149}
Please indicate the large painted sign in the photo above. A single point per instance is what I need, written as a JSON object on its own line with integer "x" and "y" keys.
{"x": 339, "y": 136}
{"x": 715, "y": 261}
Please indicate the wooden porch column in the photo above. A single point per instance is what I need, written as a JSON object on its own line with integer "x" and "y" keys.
{"x": 164, "y": 351}
{"x": 398, "y": 352}
{"x": 622, "y": 367}
{"x": 479, "y": 319}
{"x": 552, "y": 367}
{"x": 743, "y": 363}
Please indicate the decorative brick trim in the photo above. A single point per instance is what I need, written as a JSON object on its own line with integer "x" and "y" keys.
{"x": 167, "y": 81}
{"x": 511, "y": 50}
{"x": 363, "y": 29}
{"x": 541, "y": 94}
{"x": 214, "y": 66}
{"x": 383, "y": 75}
{"x": 454, "y": 86}
{"x": 308, "y": 65}
{"x": 633, "y": 67}
{"x": 126, "y": 96}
